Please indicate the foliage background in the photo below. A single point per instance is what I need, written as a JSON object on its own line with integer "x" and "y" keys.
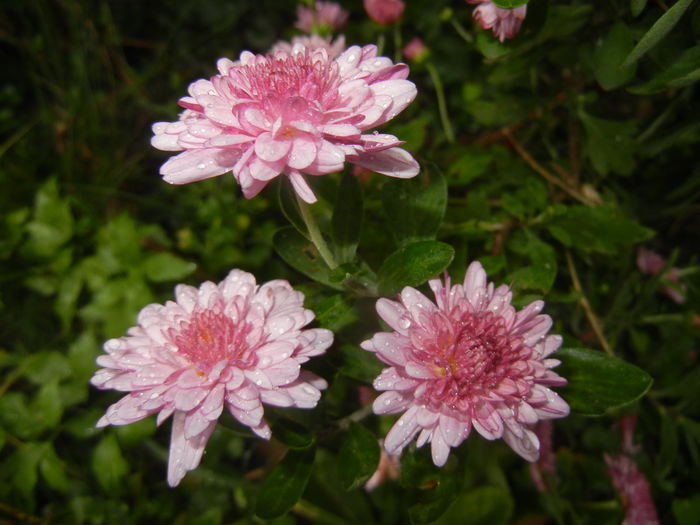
{"x": 564, "y": 162}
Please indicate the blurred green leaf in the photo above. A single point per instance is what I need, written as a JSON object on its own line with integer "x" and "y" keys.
{"x": 47, "y": 405}
{"x": 413, "y": 265}
{"x": 602, "y": 229}
{"x": 598, "y": 382}
{"x": 415, "y": 207}
{"x": 163, "y": 267}
{"x": 610, "y": 144}
{"x": 541, "y": 274}
{"x": 509, "y": 4}
{"x": 608, "y": 57}
{"x": 108, "y": 464}
{"x": 687, "y": 510}
{"x": 302, "y": 255}
{"x": 347, "y": 219}
{"x": 658, "y": 31}
{"x": 134, "y": 434}
{"x": 283, "y": 487}
{"x": 43, "y": 367}
{"x": 52, "y": 222}
{"x": 684, "y": 71}
{"x": 359, "y": 364}
{"x": 292, "y": 434}
{"x": 53, "y": 469}
{"x": 637, "y": 6}
{"x": 434, "y": 501}
{"x": 471, "y": 164}
{"x": 492, "y": 505}
{"x": 23, "y": 465}
{"x": 358, "y": 457}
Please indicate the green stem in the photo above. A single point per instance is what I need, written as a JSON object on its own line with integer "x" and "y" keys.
{"x": 468, "y": 38}
{"x": 442, "y": 106}
{"x": 381, "y": 39}
{"x": 315, "y": 234}
{"x": 397, "y": 43}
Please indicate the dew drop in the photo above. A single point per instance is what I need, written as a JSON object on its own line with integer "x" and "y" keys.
{"x": 404, "y": 323}
{"x": 201, "y": 166}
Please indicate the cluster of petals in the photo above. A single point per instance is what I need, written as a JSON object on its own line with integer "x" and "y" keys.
{"x": 311, "y": 42}
{"x": 292, "y": 112}
{"x": 469, "y": 360}
{"x": 235, "y": 344}
{"x": 634, "y": 491}
{"x": 505, "y": 23}
{"x": 384, "y": 12}
{"x": 323, "y": 16}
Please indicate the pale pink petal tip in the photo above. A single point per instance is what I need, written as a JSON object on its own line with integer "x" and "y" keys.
{"x": 306, "y": 108}
{"x": 505, "y": 23}
{"x": 233, "y": 345}
{"x": 467, "y": 360}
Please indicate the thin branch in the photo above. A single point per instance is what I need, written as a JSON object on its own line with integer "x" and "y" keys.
{"x": 590, "y": 314}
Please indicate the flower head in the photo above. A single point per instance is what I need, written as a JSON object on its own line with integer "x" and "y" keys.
{"x": 651, "y": 263}
{"x": 290, "y": 112}
{"x": 235, "y": 344}
{"x": 324, "y": 17}
{"x": 505, "y": 23}
{"x": 415, "y": 50}
{"x": 384, "y": 12}
{"x": 468, "y": 361}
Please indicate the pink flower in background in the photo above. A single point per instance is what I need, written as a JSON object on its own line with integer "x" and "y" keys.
{"x": 415, "y": 50}
{"x": 289, "y": 113}
{"x": 384, "y": 12}
{"x": 634, "y": 491}
{"x": 651, "y": 263}
{"x": 235, "y": 344}
{"x": 468, "y": 361}
{"x": 324, "y": 16}
{"x": 312, "y": 42}
{"x": 505, "y": 23}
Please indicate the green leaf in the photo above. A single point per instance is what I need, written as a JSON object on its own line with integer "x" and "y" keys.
{"x": 509, "y": 4}
{"x": 53, "y": 469}
{"x": 492, "y": 505}
{"x": 610, "y": 144}
{"x": 286, "y": 483}
{"x": 302, "y": 255}
{"x": 290, "y": 207}
{"x": 415, "y": 207}
{"x": 637, "y": 6}
{"x": 108, "y": 464}
{"x": 413, "y": 264}
{"x": 358, "y": 457}
{"x": 601, "y": 229}
{"x": 433, "y": 502}
{"x": 359, "y": 364}
{"x": 163, "y": 267}
{"x": 658, "y": 31}
{"x": 472, "y": 163}
{"x": 687, "y": 511}
{"x": 684, "y": 71}
{"x": 347, "y": 219}
{"x": 541, "y": 274}
{"x": 23, "y": 464}
{"x": 334, "y": 313}
{"x": 598, "y": 382}
{"x": 292, "y": 434}
{"x": 608, "y": 57}
{"x": 52, "y": 223}
{"x": 47, "y": 405}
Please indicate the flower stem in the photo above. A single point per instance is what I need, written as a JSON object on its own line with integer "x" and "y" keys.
{"x": 461, "y": 31}
{"x": 583, "y": 301}
{"x": 381, "y": 39}
{"x": 442, "y": 107}
{"x": 315, "y": 234}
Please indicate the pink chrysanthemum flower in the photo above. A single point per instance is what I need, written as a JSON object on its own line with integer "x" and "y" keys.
{"x": 292, "y": 113}
{"x": 235, "y": 344}
{"x": 384, "y": 12}
{"x": 468, "y": 361}
{"x": 323, "y": 17}
{"x": 505, "y": 23}
{"x": 333, "y": 47}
